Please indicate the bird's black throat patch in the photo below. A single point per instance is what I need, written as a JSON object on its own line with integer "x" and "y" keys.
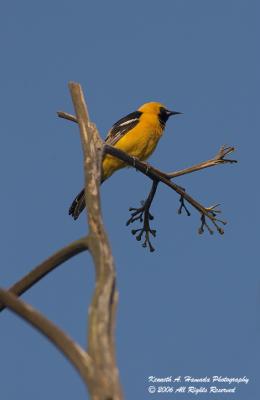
{"x": 163, "y": 116}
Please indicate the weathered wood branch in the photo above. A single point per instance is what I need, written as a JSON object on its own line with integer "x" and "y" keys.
{"x": 102, "y": 309}
{"x": 97, "y": 367}
{"x": 74, "y": 353}
{"x": 47, "y": 266}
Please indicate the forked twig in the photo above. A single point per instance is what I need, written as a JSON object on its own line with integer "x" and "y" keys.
{"x": 144, "y": 216}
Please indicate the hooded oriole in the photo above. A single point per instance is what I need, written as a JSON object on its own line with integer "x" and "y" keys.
{"x": 137, "y": 134}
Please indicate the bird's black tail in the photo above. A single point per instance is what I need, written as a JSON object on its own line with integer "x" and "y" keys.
{"x": 78, "y": 205}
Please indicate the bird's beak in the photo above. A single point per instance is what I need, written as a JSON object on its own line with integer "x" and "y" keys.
{"x": 169, "y": 113}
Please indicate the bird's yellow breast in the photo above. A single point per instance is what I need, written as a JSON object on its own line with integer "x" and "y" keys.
{"x": 140, "y": 142}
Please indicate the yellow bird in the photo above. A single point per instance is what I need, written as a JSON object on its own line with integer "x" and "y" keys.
{"x": 137, "y": 134}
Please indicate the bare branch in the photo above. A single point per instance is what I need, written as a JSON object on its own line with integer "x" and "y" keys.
{"x": 102, "y": 308}
{"x": 143, "y": 215}
{"x": 156, "y": 175}
{"x": 47, "y": 266}
{"x": 74, "y": 353}
{"x": 67, "y": 116}
{"x": 218, "y": 159}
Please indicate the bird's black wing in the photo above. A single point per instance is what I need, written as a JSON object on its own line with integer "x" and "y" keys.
{"x": 121, "y": 127}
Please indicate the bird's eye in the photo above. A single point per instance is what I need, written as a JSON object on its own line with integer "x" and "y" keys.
{"x": 163, "y": 111}
{"x": 167, "y": 112}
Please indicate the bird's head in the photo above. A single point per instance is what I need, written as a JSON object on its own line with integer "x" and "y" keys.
{"x": 158, "y": 109}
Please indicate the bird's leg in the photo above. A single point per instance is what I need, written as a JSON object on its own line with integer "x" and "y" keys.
{"x": 134, "y": 160}
{"x": 148, "y": 166}
{"x": 144, "y": 216}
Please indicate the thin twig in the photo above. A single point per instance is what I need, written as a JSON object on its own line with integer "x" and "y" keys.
{"x": 67, "y": 116}
{"x": 143, "y": 214}
{"x": 74, "y": 353}
{"x": 47, "y": 266}
{"x": 218, "y": 159}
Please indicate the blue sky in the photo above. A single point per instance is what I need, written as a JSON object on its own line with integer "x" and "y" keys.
{"x": 192, "y": 306}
